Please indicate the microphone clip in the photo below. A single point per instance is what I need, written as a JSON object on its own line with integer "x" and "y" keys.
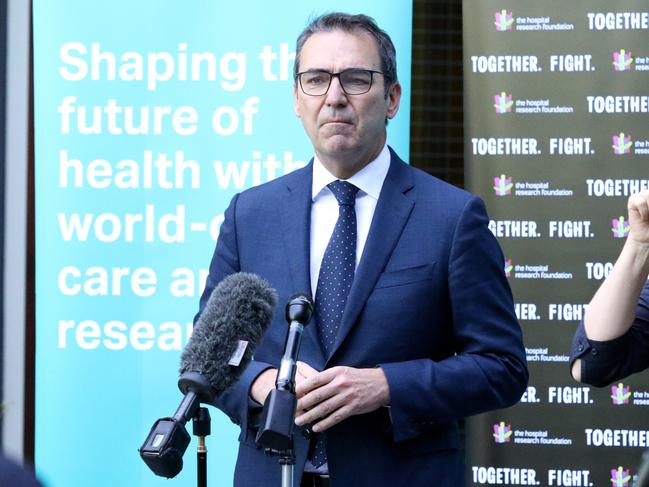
{"x": 276, "y": 422}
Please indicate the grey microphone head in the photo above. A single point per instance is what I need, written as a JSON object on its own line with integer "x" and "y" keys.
{"x": 240, "y": 308}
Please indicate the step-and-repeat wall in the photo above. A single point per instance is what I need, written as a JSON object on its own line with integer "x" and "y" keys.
{"x": 149, "y": 116}
{"x": 557, "y": 138}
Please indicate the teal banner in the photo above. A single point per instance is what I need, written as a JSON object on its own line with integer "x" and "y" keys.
{"x": 149, "y": 116}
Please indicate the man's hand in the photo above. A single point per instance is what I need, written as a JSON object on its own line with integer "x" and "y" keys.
{"x": 638, "y": 207}
{"x": 326, "y": 398}
{"x": 265, "y": 382}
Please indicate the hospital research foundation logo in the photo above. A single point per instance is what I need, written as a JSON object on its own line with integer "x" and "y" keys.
{"x": 620, "y": 477}
{"x": 503, "y": 103}
{"x": 509, "y": 267}
{"x": 621, "y": 227}
{"x": 622, "y": 61}
{"x": 503, "y": 185}
{"x": 622, "y": 144}
{"x": 502, "y": 432}
{"x": 504, "y": 20}
{"x": 620, "y": 395}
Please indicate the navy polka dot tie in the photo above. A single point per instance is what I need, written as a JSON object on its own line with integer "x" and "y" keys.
{"x": 338, "y": 264}
{"x": 335, "y": 280}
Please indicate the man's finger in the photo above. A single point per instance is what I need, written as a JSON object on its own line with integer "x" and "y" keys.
{"x": 317, "y": 380}
{"x": 305, "y": 369}
{"x": 333, "y": 419}
{"x": 320, "y": 410}
{"x": 315, "y": 396}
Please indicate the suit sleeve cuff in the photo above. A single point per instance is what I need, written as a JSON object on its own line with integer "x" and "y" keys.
{"x": 404, "y": 425}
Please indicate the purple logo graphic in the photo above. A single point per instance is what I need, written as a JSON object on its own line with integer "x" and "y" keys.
{"x": 503, "y": 103}
{"x": 508, "y": 272}
{"x": 503, "y": 185}
{"x": 622, "y": 60}
{"x": 620, "y": 477}
{"x": 622, "y": 144}
{"x": 504, "y": 20}
{"x": 502, "y": 432}
{"x": 620, "y": 394}
{"x": 621, "y": 227}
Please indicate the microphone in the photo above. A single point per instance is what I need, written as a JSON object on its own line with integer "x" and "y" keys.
{"x": 278, "y": 415}
{"x": 298, "y": 313}
{"x": 226, "y": 334}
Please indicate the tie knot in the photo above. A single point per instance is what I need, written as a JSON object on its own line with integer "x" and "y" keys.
{"x": 344, "y": 192}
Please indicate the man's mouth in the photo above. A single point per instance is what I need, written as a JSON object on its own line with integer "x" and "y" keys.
{"x": 337, "y": 121}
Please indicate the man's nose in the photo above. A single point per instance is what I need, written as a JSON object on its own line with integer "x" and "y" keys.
{"x": 336, "y": 96}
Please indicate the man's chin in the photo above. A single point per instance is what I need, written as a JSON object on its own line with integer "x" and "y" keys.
{"x": 336, "y": 132}
{"x": 340, "y": 146}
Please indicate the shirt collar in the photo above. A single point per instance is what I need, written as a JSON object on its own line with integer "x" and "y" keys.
{"x": 369, "y": 179}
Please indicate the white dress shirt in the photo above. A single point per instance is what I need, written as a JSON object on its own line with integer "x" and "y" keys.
{"x": 324, "y": 210}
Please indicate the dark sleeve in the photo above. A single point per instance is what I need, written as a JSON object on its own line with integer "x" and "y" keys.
{"x": 489, "y": 370}
{"x": 605, "y": 362}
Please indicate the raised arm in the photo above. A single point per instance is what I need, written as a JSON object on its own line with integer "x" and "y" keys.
{"x": 612, "y": 310}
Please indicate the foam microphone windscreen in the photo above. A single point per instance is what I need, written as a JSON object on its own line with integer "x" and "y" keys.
{"x": 239, "y": 310}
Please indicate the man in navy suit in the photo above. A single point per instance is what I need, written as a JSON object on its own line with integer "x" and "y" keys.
{"x": 427, "y": 333}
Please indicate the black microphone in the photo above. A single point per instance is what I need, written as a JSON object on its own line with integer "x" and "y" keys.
{"x": 298, "y": 313}
{"x": 226, "y": 334}
{"x": 278, "y": 415}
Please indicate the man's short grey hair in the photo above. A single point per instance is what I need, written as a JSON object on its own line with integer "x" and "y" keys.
{"x": 353, "y": 24}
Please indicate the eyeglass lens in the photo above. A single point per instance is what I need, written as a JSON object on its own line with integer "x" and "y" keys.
{"x": 353, "y": 81}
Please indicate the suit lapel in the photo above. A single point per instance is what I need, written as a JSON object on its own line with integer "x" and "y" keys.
{"x": 295, "y": 211}
{"x": 392, "y": 211}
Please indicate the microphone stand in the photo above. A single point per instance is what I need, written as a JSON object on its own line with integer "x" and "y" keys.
{"x": 164, "y": 447}
{"x": 201, "y": 429}
{"x": 278, "y": 416}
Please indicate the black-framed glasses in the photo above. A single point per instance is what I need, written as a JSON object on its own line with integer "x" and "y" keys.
{"x": 354, "y": 81}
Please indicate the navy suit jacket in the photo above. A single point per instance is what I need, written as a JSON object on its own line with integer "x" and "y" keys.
{"x": 430, "y": 305}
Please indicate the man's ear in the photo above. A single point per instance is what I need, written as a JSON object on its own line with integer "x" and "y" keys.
{"x": 394, "y": 99}
{"x": 296, "y": 107}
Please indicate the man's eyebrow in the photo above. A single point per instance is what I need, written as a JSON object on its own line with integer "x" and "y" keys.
{"x": 310, "y": 70}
